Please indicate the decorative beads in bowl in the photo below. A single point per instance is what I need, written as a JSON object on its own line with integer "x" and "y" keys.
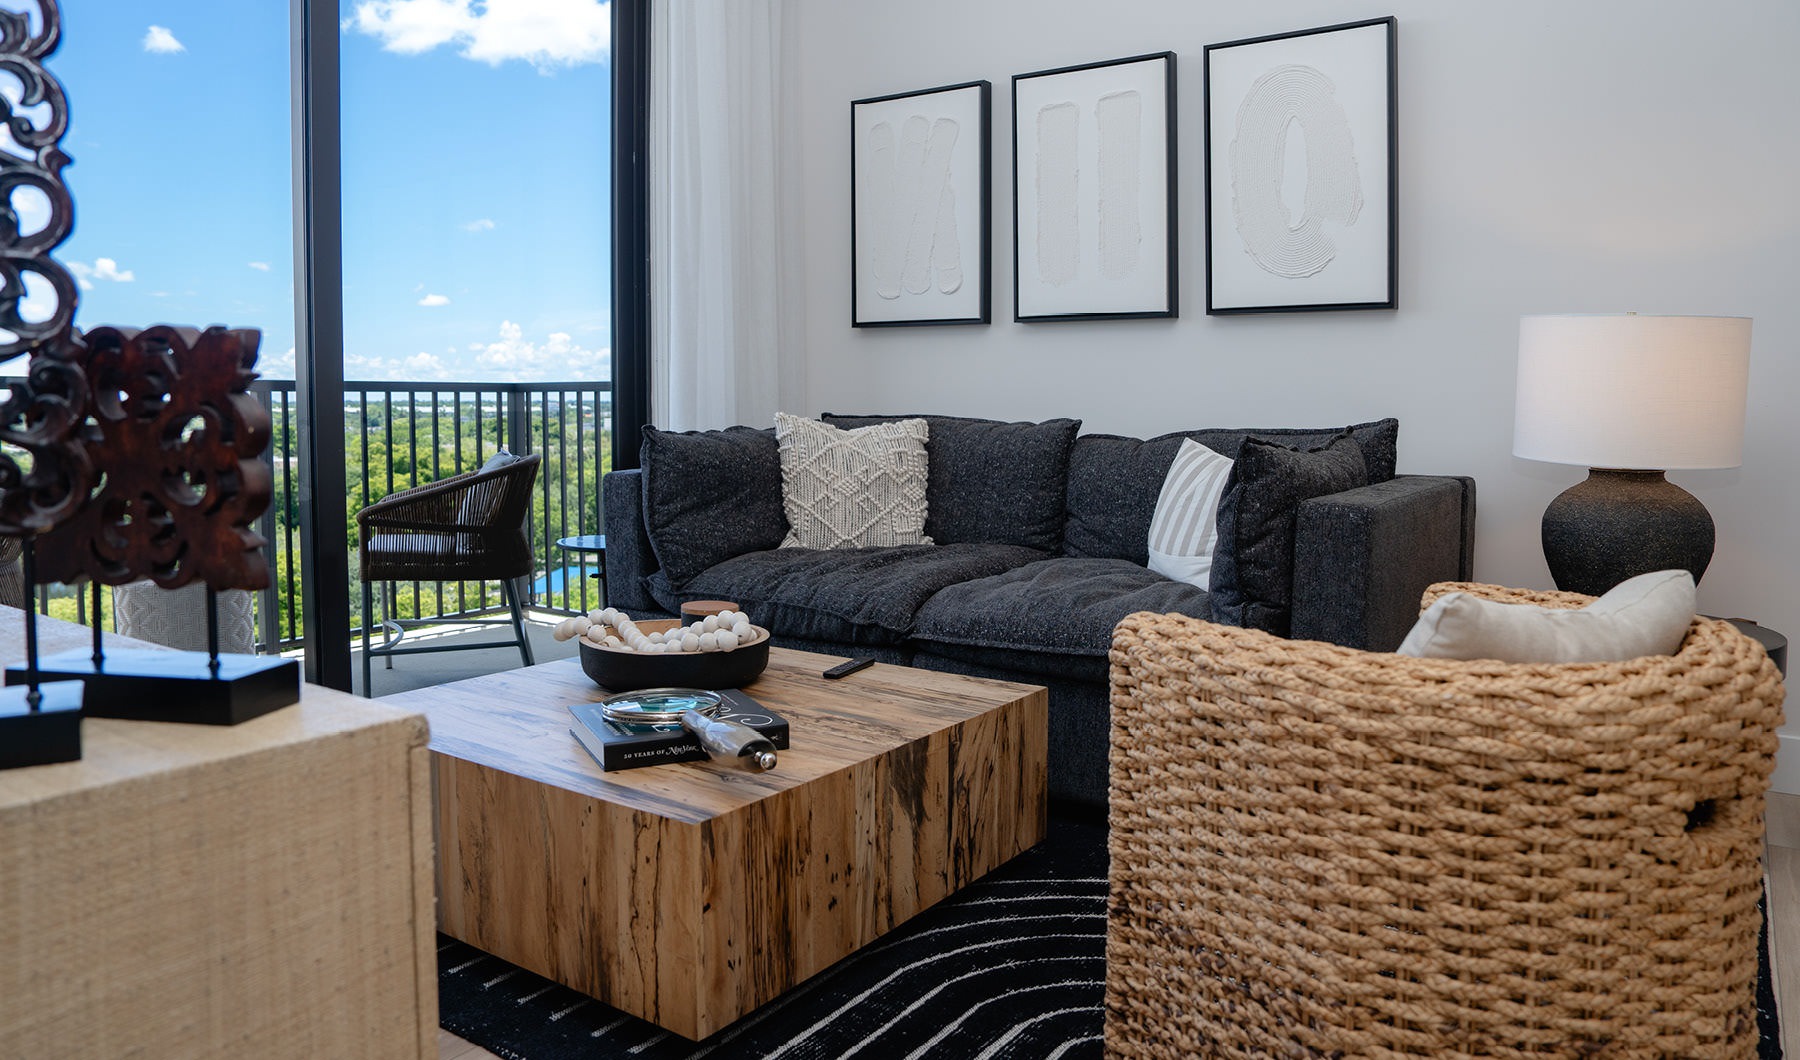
{"x": 607, "y": 627}
{"x": 722, "y": 651}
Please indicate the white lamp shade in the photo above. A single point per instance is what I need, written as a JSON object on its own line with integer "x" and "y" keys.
{"x": 1647, "y": 393}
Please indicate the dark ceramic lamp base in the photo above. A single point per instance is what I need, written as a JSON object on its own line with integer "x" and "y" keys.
{"x": 1620, "y": 524}
{"x": 52, "y": 733}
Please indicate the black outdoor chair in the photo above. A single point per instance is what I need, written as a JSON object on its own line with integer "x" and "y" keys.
{"x": 467, "y": 528}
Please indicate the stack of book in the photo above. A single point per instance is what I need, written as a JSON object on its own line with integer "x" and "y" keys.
{"x": 619, "y": 745}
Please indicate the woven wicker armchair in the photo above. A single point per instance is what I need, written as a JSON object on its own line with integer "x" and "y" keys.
{"x": 1318, "y": 851}
{"x": 467, "y": 528}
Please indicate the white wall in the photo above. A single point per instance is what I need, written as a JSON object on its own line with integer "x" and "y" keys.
{"x": 1599, "y": 156}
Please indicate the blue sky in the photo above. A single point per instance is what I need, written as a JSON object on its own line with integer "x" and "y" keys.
{"x": 476, "y": 179}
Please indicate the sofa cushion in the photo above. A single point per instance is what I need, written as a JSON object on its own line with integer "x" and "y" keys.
{"x": 1114, "y": 481}
{"x": 1059, "y": 606}
{"x": 992, "y": 482}
{"x": 860, "y": 488}
{"x": 709, "y": 496}
{"x": 851, "y": 596}
{"x": 1253, "y": 566}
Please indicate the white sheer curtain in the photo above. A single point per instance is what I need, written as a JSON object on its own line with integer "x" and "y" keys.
{"x": 723, "y": 169}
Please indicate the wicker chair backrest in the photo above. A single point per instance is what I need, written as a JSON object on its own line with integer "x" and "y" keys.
{"x": 1318, "y": 851}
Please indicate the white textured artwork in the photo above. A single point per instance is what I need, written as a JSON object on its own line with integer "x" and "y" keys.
{"x": 1299, "y": 171}
{"x": 916, "y": 237}
{"x": 1278, "y": 241}
{"x": 1120, "y": 117}
{"x": 1058, "y": 185}
{"x": 1092, "y": 193}
{"x": 920, "y": 207}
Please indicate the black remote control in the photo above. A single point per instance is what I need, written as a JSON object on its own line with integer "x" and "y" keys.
{"x": 846, "y": 669}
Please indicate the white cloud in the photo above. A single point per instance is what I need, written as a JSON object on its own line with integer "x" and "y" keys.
{"x": 545, "y": 33}
{"x": 101, "y": 269}
{"x": 260, "y": 266}
{"x": 158, "y": 39}
{"x": 434, "y": 300}
{"x": 481, "y": 225}
{"x": 419, "y": 367}
{"x": 516, "y": 359}
{"x": 424, "y": 365}
{"x": 280, "y": 366}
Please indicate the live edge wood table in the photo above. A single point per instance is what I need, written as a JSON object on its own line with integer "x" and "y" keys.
{"x": 197, "y": 891}
{"x": 690, "y": 894}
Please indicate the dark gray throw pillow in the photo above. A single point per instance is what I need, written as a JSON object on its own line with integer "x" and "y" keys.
{"x": 1253, "y": 566}
{"x": 710, "y": 496}
{"x": 989, "y": 482}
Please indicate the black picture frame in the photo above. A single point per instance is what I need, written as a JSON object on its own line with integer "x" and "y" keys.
{"x": 1345, "y": 78}
{"x": 1111, "y": 290}
{"x": 882, "y": 292}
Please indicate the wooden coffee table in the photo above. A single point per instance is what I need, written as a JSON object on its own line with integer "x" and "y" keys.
{"x": 690, "y": 894}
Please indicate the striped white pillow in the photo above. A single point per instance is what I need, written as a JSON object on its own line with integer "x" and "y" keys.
{"x": 1184, "y": 530}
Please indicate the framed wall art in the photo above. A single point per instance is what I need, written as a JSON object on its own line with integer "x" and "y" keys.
{"x": 919, "y": 228}
{"x": 1301, "y": 205}
{"x": 1094, "y": 191}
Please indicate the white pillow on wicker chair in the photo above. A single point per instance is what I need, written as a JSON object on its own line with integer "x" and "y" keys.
{"x": 1645, "y": 615}
{"x": 857, "y": 488}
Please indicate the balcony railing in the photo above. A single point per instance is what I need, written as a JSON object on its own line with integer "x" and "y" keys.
{"x": 400, "y": 435}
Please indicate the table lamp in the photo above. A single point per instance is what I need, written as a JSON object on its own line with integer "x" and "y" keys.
{"x": 1629, "y": 397}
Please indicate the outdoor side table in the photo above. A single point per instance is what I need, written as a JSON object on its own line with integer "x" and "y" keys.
{"x": 581, "y": 548}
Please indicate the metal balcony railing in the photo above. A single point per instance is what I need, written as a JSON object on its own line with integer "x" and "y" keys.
{"x": 399, "y": 435}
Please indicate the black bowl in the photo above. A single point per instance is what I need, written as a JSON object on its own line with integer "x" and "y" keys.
{"x": 619, "y": 670}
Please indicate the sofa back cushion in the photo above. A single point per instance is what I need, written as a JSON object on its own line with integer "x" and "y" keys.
{"x": 710, "y": 496}
{"x": 991, "y": 482}
{"x": 1114, "y": 481}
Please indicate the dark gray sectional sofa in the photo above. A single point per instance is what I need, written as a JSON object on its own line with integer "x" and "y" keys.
{"x": 1040, "y": 544}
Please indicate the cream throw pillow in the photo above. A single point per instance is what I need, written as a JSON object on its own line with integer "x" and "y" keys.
{"x": 859, "y": 488}
{"x": 1645, "y": 615}
{"x": 1185, "y": 528}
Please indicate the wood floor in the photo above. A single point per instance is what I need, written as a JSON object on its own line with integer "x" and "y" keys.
{"x": 1784, "y": 931}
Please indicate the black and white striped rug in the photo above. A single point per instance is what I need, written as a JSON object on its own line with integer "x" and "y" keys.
{"x": 1011, "y": 968}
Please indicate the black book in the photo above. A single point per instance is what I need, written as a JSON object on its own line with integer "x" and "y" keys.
{"x": 618, "y": 745}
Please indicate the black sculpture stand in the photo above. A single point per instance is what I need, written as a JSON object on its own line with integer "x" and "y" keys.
{"x": 38, "y": 725}
{"x": 1620, "y": 524}
{"x": 51, "y": 733}
{"x": 151, "y": 684}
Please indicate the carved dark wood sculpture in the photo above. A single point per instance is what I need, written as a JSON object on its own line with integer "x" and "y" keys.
{"x": 177, "y": 441}
{"x": 42, "y": 414}
{"x": 22, "y": 56}
{"x": 180, "y": 441}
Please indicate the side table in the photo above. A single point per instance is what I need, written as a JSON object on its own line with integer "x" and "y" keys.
{"x": 581, "y": 548}
{"x": 1774, "y": 643}
{"x": 212, "y": 892}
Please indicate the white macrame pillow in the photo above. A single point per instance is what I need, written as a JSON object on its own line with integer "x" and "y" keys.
{"x": 852, "y": 489}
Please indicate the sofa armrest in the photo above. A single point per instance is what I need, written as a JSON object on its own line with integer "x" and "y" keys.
{"x": 629, "y": 560}
{"x": 1362, "y": 558}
